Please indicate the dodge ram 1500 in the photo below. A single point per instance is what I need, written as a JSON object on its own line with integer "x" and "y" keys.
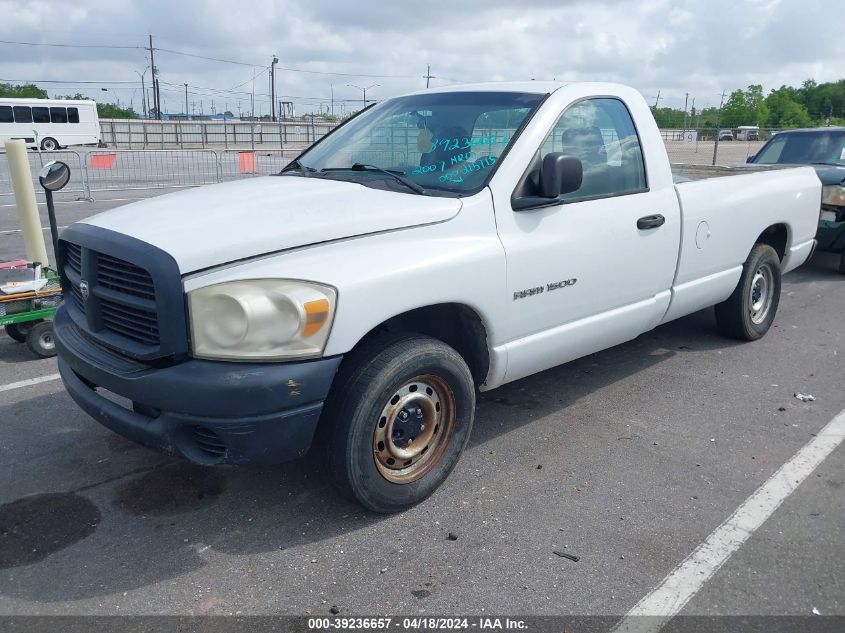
{"x": 437, "y": 243}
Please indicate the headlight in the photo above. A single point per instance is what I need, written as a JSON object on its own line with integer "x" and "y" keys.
{"x": 261, "y": 319}
{"x": 833, "y": 195}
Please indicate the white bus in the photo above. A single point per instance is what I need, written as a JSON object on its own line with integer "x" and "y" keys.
{"x": 49, "y": 123}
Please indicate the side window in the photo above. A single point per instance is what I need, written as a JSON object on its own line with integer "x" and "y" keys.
{"x": 58, "y": 115}
{"x": 601, "y": 133}
{"x": 72, "y": 115}
{"x": 6, "y": 114}
{"x": 41, "y": 115}
{"x": 23, "y": 114}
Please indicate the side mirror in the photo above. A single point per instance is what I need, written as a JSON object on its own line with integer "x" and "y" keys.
{"x": 559, "y": 174}
{"x": 54, "y": 175}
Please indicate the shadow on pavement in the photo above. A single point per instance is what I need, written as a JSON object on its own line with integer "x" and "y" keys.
{"x": 157, "y": 521}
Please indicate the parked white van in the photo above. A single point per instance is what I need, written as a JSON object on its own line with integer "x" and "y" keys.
{"x": 49, "y": 123}
{"x": 748, "y": 133}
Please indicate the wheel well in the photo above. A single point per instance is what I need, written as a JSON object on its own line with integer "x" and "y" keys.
{"x": 776, "y": 237}
{"x": 455, "y": 324}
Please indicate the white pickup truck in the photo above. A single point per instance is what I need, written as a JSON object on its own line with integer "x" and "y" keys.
{"x": 437, "y": 243}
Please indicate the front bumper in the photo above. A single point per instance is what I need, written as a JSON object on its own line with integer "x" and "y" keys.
{"x": 831, "y": 236}
{"x": 209, "y": 412}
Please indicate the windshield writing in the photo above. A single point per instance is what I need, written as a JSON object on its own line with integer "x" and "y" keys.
{"x": 447, "y": 143}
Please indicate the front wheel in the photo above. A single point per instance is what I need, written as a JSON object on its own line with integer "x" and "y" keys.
{"x": 49, "y": 144}
{"x": 398, "y": 418}
{"x": 40, "y": 340}
{"x": 749, "y": 312}
{"x": 842, "y": 264}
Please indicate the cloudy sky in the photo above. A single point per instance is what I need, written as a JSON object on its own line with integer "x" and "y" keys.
{"x": 675, "y": 46}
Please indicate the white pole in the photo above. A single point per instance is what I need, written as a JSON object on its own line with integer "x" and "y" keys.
{"x": 33, "y": 236}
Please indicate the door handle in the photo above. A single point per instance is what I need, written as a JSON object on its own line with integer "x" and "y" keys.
{"x": 650, "y": 222}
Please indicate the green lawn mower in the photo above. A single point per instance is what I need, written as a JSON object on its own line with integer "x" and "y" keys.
{"x": 30, "y": 293}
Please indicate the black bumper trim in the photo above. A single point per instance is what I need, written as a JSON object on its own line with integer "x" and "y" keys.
{"x": 257, "y": 413}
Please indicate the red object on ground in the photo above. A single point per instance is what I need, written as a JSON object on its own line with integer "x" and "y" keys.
{"x": 246, "y": 162}
{"x": 103, "y": 161}
{"x": 15, "y": 263}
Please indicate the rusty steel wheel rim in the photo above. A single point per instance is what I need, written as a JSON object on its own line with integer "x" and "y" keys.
{"x": 414, "y": 429}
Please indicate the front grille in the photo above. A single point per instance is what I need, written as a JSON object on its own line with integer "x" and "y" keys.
{"x": 74, "y": 257}
{"x": 139, "y": 325}
{"x": 122, "y": 296}
{"x": 122, "y": 276}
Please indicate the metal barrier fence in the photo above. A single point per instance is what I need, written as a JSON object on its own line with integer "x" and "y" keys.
{"x": 78, "y": 183}
{"x": 127, "y": 169}
{"x": 141, "y": 134}
{"x": 122, "y": 170}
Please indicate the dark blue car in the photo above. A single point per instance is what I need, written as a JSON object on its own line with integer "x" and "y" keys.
{"x": 824, "y": 149}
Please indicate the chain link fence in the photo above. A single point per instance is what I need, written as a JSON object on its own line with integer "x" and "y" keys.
{"x": 710, "y": 146}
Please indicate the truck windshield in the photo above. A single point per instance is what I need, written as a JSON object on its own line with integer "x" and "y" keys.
{"x": 434, "y": 144}
{"x": 804, "y": 148}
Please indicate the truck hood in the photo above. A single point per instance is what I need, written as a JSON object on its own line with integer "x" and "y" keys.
{"x": 213, "y": 225}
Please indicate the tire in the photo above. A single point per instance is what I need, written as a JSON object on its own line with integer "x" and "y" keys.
{"x": 842, "y": 264}
{"x": 388, "y": 457}
{"x": 40, "y": 340}
{"x": 18, "y": 331}
{"x": 49, "y": 144}
{"x": 749, "y": 312}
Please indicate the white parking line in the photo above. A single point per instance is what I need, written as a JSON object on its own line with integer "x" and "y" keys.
{"x": 44, "y": 204}
{"x": 29, "y": 382}
{"x": 10, "y": 231}
{"x": 678, "y": 588}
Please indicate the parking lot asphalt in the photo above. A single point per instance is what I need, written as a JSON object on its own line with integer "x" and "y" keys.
{"x": 627, "y": 459}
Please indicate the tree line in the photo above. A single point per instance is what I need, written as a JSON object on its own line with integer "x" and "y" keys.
{"x": 811, "y": 105}
{"x": 31, "y": 91}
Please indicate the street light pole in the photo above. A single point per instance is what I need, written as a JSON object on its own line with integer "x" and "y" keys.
{"x": 364, "y": 90}
{"x": 143, "y": 91}
{"x": 186, "y": 101}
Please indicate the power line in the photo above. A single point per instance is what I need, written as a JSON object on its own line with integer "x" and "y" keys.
{"x": 70, "y": 45}
{"x": 56, "y": 81}
{"x": 208, "y": 58}
{"x": 287, "y": 68}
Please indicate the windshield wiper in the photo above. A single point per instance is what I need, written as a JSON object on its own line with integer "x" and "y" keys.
{"x": 395, "y": 174}
{"x": 295, "y": 165}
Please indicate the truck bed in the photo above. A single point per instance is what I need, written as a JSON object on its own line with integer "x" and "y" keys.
{"x": 683, "y": 172}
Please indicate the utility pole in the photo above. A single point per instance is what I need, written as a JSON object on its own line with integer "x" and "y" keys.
{"x": 656, "y": 101}
{"x": 186, "y": 100}
{"x": 718, "y": 123}
{"x": 273, "y": 88}
{"x": 156, "y": 94}
{"x": 428, "y": 76}
{"x": 686, "y": 103}
{"x": 332, "y": 87}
